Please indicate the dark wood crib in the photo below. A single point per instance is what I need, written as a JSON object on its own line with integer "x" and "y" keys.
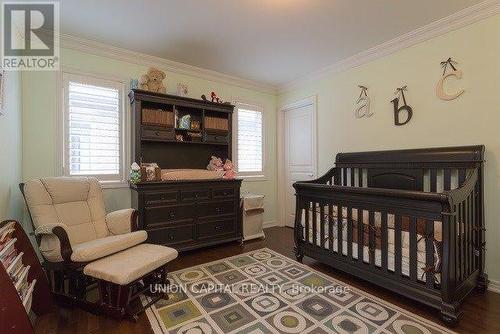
{"x": 411, "y": 221}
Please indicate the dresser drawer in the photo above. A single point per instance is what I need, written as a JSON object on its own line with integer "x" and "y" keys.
{"x": 195, "y": 195}
{"x": 221, "y": 193}
{"x": 157, "y": 133}
{"x": 217, "y": 138}
{"x": 165, "y": 214}
{"x": 161, "y": 199}
{"x": 217, "y": 228}
{"x": 216, "y": 208}
{"x": 172, "y": 235}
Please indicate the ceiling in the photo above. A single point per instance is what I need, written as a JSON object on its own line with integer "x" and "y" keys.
{"x": 269, "y": 41}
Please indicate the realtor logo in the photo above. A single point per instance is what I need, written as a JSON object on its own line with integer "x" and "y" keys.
{"x": 30, "y": 36}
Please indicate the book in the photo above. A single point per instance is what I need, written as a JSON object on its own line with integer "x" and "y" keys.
{"x": 16, "y": 263}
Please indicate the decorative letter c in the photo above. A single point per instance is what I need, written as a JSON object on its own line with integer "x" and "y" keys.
{"x": 440, "y": 86}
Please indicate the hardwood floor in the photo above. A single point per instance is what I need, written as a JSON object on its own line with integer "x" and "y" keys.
{"x": 481, "y": 312}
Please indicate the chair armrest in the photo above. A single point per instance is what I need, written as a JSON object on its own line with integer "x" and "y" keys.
{"x": 59, "y": 230}
{"x": 122, "y": 221}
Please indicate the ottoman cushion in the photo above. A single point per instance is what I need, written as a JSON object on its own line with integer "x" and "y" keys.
{"x": 129, "y": 265}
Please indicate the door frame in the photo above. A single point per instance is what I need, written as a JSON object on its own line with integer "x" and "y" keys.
{"x": 311, "y": 100}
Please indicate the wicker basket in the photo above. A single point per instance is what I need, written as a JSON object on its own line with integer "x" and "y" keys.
{"x": 158, "y": 117}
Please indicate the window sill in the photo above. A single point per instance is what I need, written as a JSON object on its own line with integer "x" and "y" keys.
{"x": 114, "y": 184}
{"x": 252, "y": 178}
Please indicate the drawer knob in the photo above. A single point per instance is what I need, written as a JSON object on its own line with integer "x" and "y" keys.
{"x": 217, "y": 228}
{"x": 171, "y": 237}
{"x": 172, "y": 214}
{"x": 157, "y": 133}
{"x": 217, "y": 209}
{"x": 196, "y": 195}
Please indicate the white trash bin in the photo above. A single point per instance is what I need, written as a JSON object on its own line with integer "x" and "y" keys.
{"x": 253, "y": 216}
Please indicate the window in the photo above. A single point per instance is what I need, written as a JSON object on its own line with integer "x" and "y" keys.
{"x": 93, "y": 129}
{"x": 250, "y": 141}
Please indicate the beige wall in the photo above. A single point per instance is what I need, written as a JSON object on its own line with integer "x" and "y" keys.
{"x": 474, "y": 118}
{"x": 10, "y": 148}
{"x": 39, "y": 122}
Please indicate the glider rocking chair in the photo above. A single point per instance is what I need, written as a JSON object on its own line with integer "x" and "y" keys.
{"x": 84, "y": 248}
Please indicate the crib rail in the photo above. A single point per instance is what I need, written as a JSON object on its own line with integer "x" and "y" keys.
{"x": 421, "y": 243}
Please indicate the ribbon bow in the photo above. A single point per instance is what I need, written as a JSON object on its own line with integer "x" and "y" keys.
{"x": 450, "y": 62}
{"x": 400, "y": 91}
{"x": 363, "y": 91}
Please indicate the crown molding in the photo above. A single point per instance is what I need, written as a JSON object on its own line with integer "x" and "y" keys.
{"x": 117, "y": 53}
{"x": 442, "y": 26}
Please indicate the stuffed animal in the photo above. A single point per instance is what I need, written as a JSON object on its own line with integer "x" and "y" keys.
{"x": 215, "y": 164}
{"x": 229, "y": 168}
{"x": 153, "y": 81}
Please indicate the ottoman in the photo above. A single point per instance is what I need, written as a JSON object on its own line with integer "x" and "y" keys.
{"x": 124, "y": 276}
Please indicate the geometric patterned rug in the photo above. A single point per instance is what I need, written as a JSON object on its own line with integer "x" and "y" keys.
{"x": 265, "y": 292}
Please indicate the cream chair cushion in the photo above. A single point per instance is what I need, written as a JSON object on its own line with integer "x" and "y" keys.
{"x": 126, "y": 266}
{"x": 95, "y": 249}
{"x": 77, "y": 204}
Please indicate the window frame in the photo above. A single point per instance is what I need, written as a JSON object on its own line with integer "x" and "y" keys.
{"x": 249, "y": 176}
{"x": 107, "y": 181}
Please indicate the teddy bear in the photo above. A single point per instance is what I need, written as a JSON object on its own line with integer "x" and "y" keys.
{"x": 215, "y": 164}
{"x": 229, "y": 168}
{"x": 153, "y": 81}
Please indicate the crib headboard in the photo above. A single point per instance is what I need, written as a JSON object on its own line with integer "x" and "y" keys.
{"x": 428, "y": 169}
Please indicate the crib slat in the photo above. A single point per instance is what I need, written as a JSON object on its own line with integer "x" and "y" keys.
{"x": 339, "y": 230}
{"x": 360, "y": 227}
{"x": 349, "y": 232}
{"x": 360, "y": 179}
{"x": 467, "y": 235}
{"x": 385, "y": 242}
{"x": 429, "y": 251}
{"x": 397, "y": 244}
{"x": 330, "y": 226}
{"x": 344, "y": 176}
{"x": 459, "y": 241}
{"x": 307, "y": 208}
{"x": 473, "y": 234}
{"x": 413, "y": 248}
{"x": 315, "y": 224}
{"x": 447, "y": 179}
{"x": 461, "y": 176}
{"x": 371, "y": 237}
{"x": 352, "y": 177}
{"x": 322, "y": 225}
{"x": 433, "y": 180}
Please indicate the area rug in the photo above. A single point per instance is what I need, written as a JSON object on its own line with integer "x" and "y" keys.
{"x": 264, "y": 292}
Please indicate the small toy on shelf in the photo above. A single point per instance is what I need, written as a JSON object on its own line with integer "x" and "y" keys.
{"x": 215, "y": 98}
{"x": 230, "y": 170}
{"x": 182, "y": 89}
{"x": 153, "y": 81}
{"x": 135, "y": 173}
{"x": 195, "y": 125}
{"x": 179, "y": 137}
{"x": 215, "y": 164}
{"x": 185, "y": 122}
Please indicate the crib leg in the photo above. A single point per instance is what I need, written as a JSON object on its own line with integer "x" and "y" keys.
{"x": 482, "y": 283}
{"x": 450, "y": 314}
{"x": 298, "y": 254}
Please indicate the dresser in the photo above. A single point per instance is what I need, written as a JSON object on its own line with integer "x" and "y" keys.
{"x": 185, "y": 214}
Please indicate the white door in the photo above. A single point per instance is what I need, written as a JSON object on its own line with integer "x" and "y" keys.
{"x": 300, "y": 152}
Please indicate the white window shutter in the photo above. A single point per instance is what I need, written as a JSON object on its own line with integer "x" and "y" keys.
{"x": 93, "y": 125}
{"x": 250, "y": 148}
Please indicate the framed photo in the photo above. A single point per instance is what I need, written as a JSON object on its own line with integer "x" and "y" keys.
{"x": 2, "y": 84}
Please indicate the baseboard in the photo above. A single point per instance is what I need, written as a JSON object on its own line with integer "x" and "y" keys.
{"x": 494, "y": 286}
{"x": 270, "y": 223}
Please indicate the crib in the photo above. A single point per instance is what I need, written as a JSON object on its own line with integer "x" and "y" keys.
{"x": 411, "y": 221}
